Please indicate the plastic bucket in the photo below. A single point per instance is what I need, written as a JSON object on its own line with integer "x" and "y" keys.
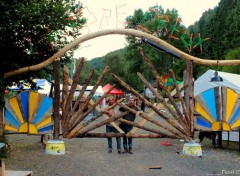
{"x": 193, "y": 149}
{"x": 55, "y": 147}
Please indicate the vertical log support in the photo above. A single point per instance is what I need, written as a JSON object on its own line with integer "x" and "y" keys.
{"x": 65, "y": 91}
{"x": 2, "y": 103}
{"x": 56, "y": 99}
{"x": 1, "y": 120}
{"x": 188, "y": 94}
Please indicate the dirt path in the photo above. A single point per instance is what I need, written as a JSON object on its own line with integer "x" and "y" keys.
{"x": 89, "y": 157}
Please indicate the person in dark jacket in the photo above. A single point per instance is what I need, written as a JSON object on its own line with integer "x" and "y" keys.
{"x": 127, "y": 142}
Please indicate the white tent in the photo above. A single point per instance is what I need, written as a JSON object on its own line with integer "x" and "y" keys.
{"x": 43, "y": 85}
{"x": 99, "y": 91}
{"x": 229, "y": 80}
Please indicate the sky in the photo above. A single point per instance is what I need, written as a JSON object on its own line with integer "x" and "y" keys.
{"x": 111, "y": 14}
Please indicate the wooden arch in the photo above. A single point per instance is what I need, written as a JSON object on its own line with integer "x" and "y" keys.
{"x": 132, "y": 32}
{"x": 182, "y": 133}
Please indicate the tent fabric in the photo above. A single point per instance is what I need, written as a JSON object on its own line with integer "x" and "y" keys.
{"x": 229, "y": 80}
{"x": 113, "y": 92}
{"x": 98, "y": 92}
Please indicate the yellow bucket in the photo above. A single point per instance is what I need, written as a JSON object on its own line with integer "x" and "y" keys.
{"x": 55, "y": 147}
{"x": 193, "y": 149}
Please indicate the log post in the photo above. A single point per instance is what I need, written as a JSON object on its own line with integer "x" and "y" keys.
{"x": 181, "y": 120}
{"x": 91, "y": 102}
{"x": 185, "y": 112}
{"x": 89, "y": 97}
{"x": 65, "y": 90}
{"x": 159, "y": 81}
{"x": 148, "y": 129}
{"x": 56, "y": 99}
{"x": 170, "y": 121}
{"x": 150, "y": 119}
{"x": 78, "y": 119}
{"x": 100, "y": 135}
{"x": 82, "y": 91}
{"x": 71, "y": 93}
{"x": 104, "y": 122}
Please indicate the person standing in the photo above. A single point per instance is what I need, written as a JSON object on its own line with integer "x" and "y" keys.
{"x": 109, "y": 127}
{"x": 127, "y": 142}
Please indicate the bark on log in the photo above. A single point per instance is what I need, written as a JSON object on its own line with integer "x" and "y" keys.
{"x": 132, "y": 32}
{"x": 100, "y": 135}
{"x": 98, "y": 109}
{"x": 185, "y": 112}
{"x": 181, "y": 120}
{"x": 151, "y": 135}
{"x": 56, "y": 99}
{"x": 82, "y": 91}
{"x": 161, "y": 84}
{"x": 104, "y": 122}
{"x": 148, "y": 128}
{"x": 71, "y": 93}
{"x": 191, "y": 96}
{"x": 147, "y": 103}
{"x": 73, "y": 119}
{"x": 74, "y": 128}
{"x": 150, "y": 119}
{"x": 65, "y": 91}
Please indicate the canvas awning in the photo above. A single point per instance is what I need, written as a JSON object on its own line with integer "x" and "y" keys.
{"x": 229, "y": 80}
{"x": 113, "y": 92}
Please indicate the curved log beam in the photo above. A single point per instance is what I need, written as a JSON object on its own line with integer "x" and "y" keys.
{"x": 132, "y": 32}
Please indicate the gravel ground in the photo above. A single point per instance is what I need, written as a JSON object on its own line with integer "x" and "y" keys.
{"x": 88, "y": 156}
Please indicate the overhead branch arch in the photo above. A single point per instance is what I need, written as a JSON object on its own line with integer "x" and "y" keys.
{"x": 132, "y": 32}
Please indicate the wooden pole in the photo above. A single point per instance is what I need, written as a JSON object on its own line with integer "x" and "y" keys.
{"x": 89, "y": 97}
{"x": 82, "y": 91}
{"x": 150, "y": 119}
{"x": 91, "y": 102}
{"x": 185, "y": 112}
{"x": 100, "y": 135}
{"x": 151, "y": 135}
{"x": 181, "y": 120}
{"x": 1, "y": 120}
{"x": 160, "y": 83}
{"x": 71, "y": 93}
{"x": 65, "y": 90}
{"x": 151, "y": 113}
{"x": 147, "y": 103}
{"x": 80, "y": 118}
{"x": 56, "y": 99}
{"x": 104, "y": 122}
{"x": 191, "y": 96}
{"x": 148, "y": 129}
{"x": 132, "y": 32}
{"x": 78, "y": 128}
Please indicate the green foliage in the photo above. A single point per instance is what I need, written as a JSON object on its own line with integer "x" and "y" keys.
{"x": 232, "y": 54}
{"x": 153, "y": 21}
{"x": 5, "y": 150}
{"x": 32, "y": 31}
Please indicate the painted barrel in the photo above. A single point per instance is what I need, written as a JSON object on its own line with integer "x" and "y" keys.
{"x": 193, "y": 149}
{"x": 55, "y": 147}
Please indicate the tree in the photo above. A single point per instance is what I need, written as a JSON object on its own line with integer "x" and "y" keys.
{"x": 32, "y": 31}
{"x": 164, "y": 25}
{"x": 232, "y": 54}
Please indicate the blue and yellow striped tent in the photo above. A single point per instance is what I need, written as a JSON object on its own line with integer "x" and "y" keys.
{"x": 28, "y": 112}
{"x": 219, "y": 110}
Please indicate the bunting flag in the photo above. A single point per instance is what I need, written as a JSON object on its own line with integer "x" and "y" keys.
{"x": 174, "y": 28}
{"x": 200, "y": 42}
{"x": 188, "y": 45}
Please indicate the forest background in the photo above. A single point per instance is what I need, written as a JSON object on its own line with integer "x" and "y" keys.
{"x": 28, "y": 37}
